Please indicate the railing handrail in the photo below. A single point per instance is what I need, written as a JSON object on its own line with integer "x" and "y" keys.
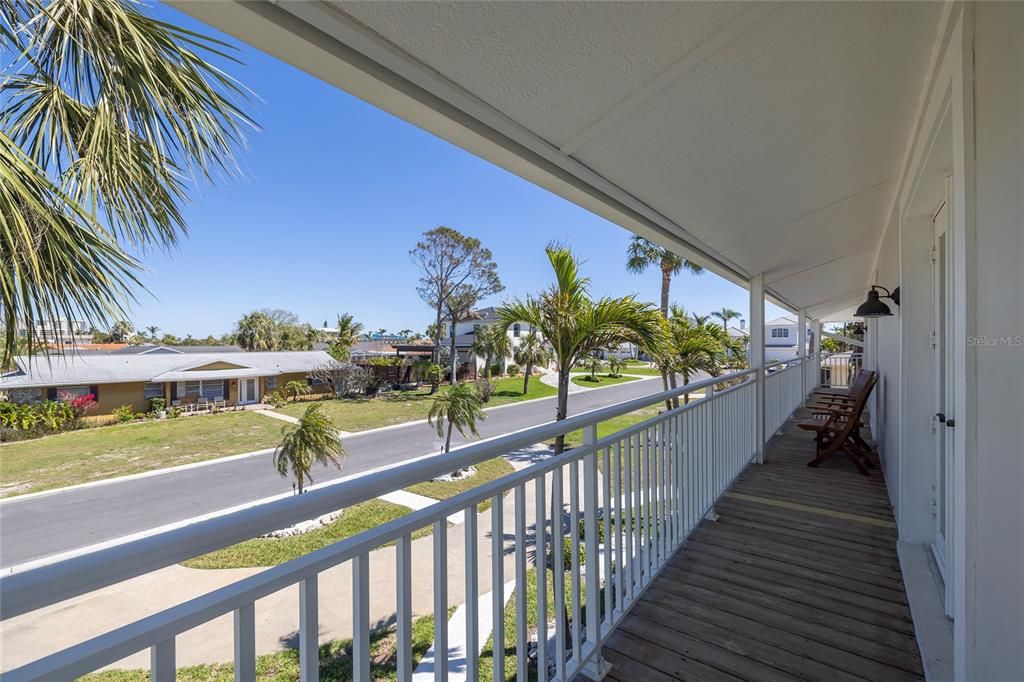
{"x": 41, "y": 586}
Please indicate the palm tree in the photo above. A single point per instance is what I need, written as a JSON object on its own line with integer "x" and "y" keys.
{"x": 615, "y": 365}
{"x": 313, "y": 441}
{"x": 295, "y": 389}
{"x": 575, "y": 325}
{"x": 700, "y": 319}
{"x": 108, "y": 114}
{"x": 121, "y": 331}
{"x": 458, "y": 407}
{"x": 256, "y": 332}
{"x": 725, "y": 314}
{"x": 697, "y": 346}
{"x": 152, "y": 330}
{"x": 643, "y": 254}
{"x": 594, "y": 365}
{"x": 349, "y": 333}
{"x": 530, "y": 353}
{"x": 491, "y": 342}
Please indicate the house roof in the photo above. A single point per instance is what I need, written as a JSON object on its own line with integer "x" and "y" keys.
{"x": 782, "y": 321}
{"x": 118, "y": 368}
{"x": 150, "y": 349}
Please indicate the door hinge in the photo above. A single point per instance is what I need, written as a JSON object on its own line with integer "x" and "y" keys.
{"x": 932, "y": 255}
{"x": 933, "y": 339}
{"x": 933, "y": 508}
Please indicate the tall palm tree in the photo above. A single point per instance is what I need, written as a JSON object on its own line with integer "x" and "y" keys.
{"x": 256, "y": 332}
{"x": 152, "y": 331}
{"x": 491, "y": 342}
{"x": 459, "y": 407}
{"x": 531, "y": 353}
{"x": 643, "y": 254}
{"x": 575, "y": 325}
{"x": 312, "y": 441}
{"x": 107, "y": 117}
{"x": 725, "y": 314}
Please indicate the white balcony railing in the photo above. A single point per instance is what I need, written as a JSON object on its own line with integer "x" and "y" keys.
{"x": 639, "y": 492}
{"x": 840, "y": 369}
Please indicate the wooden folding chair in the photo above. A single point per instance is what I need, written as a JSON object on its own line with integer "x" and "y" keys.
{"x": 848, "y": 396}
{"x": 840, "y": 430}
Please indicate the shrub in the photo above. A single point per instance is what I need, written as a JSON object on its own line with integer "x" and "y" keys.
{"x": 374, "y": 384}
{"x": 295, "y": 389}
{"x": 123, "y": 414}
{"x": 485, "y": 388}
{"x": 81, "y": 405}
{"x": 174, "y": 413}
{"x": 384, "y": 361}
{"x": 157, "y": 405}
{"x": 496, "y": 369}
{"x": 435, "y": 374}
{"x": 513, "y": 370}
{"x": 276, "y": 399}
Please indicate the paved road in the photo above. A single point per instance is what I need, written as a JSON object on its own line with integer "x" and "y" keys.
{"x": 41, "y": 526}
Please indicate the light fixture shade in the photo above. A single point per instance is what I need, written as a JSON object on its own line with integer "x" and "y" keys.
{"x": 873, "y": 307}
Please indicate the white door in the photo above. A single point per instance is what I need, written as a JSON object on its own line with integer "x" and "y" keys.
{"x": 944, "y": 420}
{"x": 248, "y": 391}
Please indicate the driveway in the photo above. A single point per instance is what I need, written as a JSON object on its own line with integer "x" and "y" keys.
{"x": 41, "y": 526}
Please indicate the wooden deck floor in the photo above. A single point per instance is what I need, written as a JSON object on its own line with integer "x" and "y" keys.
{"x": 797, "y": 580}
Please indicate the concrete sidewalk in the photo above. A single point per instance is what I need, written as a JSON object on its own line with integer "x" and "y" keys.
{"x": 48, "y": 630}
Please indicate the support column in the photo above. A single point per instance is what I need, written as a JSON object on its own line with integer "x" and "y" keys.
{"x": 757, "y": 359}
{"x": 801, "y": 352}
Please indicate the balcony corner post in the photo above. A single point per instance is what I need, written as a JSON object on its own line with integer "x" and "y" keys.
{"x": 801, "y": 352}
{"x": 757, "y": 360}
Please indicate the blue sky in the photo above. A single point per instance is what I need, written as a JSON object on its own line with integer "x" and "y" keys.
{"x": 337, "y": 192}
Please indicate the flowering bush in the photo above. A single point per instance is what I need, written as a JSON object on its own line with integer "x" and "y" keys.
{"x": 82, "y": 404}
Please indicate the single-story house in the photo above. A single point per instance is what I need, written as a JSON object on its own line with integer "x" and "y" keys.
{"x": 179, "y": 377}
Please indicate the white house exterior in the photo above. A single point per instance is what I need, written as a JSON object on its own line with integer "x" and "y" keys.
{"x": 805, "y": 151}
{"x": 465, "y": 336}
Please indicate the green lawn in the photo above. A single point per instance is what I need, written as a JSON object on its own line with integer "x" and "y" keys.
{"x": 485, "y": 472}
{"x": 601, "y": 380}
{"x": 283, "y": 666}
{"x": 107, "y": 451}
{"x": 642, "y": 369}
{"x": 360, "y": 414}
{"x": 260, "y": 552}
{"x": 609, "y": 427}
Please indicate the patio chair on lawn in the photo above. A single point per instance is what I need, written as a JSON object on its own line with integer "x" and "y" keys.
{"x": 837, "y": 428}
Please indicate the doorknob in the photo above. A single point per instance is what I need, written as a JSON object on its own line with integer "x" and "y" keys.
{"x": 950, "y": 423}
{"x": 941, "y": 417}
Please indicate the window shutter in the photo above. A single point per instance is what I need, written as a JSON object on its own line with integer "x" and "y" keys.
{"x": 95, "y": 390}
{"x": 51, "y": 393}
{"x": 174, "y": 390}
{"x": 227, "y": 389}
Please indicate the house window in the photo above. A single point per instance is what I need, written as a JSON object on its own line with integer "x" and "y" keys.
{"x": 67, "y": 393}
{"x": 206, "y": 389}
{"x": 271, "y": 382}
{"x": 780, "y": 333}
{"x": 153, "y": 389}
{"x": 516, "y": 330}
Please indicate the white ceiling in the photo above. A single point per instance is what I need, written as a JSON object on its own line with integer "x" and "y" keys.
{"x": 769, "y": 136}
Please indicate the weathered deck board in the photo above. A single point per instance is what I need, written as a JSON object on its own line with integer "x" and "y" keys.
{"x": 797, "y": 580}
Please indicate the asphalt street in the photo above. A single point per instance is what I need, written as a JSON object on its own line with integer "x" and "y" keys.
{"x": 40, "y": 526}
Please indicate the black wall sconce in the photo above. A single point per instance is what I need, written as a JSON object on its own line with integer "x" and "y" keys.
{"x": 873, "y": 306}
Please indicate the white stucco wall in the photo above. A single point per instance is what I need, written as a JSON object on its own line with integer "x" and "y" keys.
{"x": 995, "y": 586}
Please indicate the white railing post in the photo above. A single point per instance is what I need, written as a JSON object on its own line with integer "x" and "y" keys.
{"x": 498, "y": 583}
{"x": 757, "y": 360}
{"x": 245, "y": 643}
{"x": 472, "y": 595}
{"x": 361, "y": 617}
{"x": 596, "y": 667}
{"x": 161, "y": 661}
{"x": 309, "y": 626}
{"x": 403, "y": 610}
{"x": 441, "y": 600}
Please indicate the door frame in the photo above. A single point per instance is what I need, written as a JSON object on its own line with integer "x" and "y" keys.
{"x": 248, "y": 400}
